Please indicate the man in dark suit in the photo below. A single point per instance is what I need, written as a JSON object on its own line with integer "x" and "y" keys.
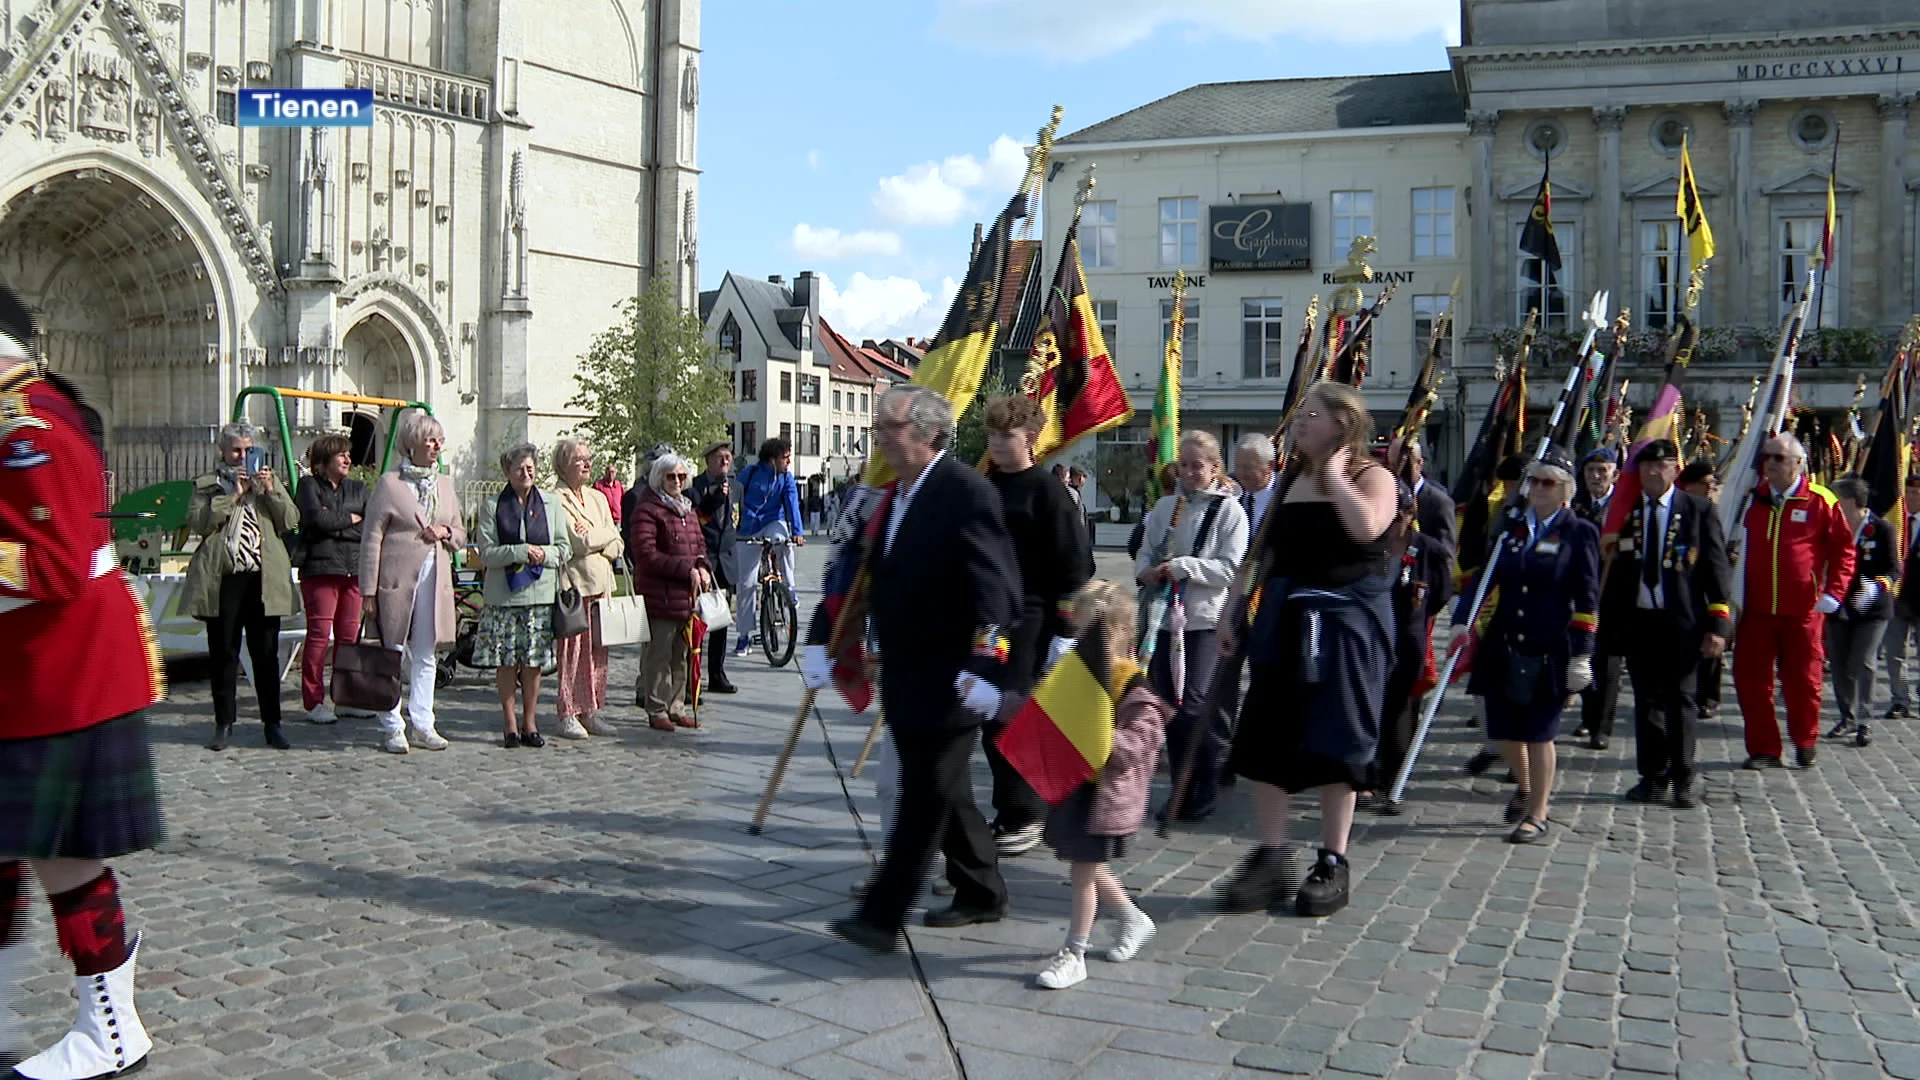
{"x": 1434, "y": 510}
{"x": 1666, "y": 605}
{"x": 1599, "y": 702}
{"x": 716, "y": 498}
{"x": 945, "y": 592}
{"x": 1904, "y": 625}
{"x": 1855, "y": 631}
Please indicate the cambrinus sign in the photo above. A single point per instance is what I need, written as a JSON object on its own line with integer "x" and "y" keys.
{"x": 1275, "y": 236}
{"x": 261, "y": 107}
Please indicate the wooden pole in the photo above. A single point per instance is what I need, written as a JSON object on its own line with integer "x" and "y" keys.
{"x": 780, "y": 765}
{"x": 873, "y": 736}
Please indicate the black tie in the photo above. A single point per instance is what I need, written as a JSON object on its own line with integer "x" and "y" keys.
{"x": 1650, "y": 558}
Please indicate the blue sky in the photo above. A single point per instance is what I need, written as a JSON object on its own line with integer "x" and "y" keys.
{"x": 861, "y": 139}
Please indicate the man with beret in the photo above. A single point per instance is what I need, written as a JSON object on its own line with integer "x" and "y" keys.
{"x": 1664, "y": 607}
{"x": 1598, "y": 702}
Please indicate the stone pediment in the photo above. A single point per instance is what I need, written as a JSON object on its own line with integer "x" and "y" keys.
{"x": 1562, "y": 190}
{"x": 1668, "y": 187}
{"x": 97, "y": 72}
{"x": 1809, "y": 182}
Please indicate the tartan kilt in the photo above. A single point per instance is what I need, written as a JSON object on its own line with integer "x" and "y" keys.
{"x": 86, "y": 794}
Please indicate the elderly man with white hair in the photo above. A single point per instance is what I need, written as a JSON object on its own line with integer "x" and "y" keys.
{"x": 1799, "y": 562}
{"x": 75, "y": 749}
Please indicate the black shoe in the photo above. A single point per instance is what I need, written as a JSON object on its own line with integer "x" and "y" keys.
{"x": 1266, "y": 879}
{"x": 1803, "y": 755}
{"x": 1516, "y": 807}
{"x": 1763, "y": 761}
{"x": 1897, "y": 711}
{"x": 222, "y": 735}
{"x": 1685, "y": 796}
{"x": 1709, "y": 710}
{"x": 955, "y": 915}
{"x": 851, "y": 929}
{"x": 1842, "y": 729}
{"x": 510, "y": 740}
{"x": 1511, "y": 777}
{"x": 1648, "y": 791}
{"x": 276, "y": 739}
{"x": 1861, "y": 737}
{"x": 1582, "y": 731}
{"x": 1481, "y": 762}
{"x": 718, "y": 683}
{"x": 533, "y": 739}
{"x": 1188, "y": 814}
{"x": 1388, "y": 806}
{"x": 1597, "y": 742}
{"x": 1325, "y": 890}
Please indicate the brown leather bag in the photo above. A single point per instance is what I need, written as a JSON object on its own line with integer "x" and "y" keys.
{"x": 366, "y": 676}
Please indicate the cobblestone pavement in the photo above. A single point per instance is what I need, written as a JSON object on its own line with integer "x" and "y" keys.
{"x": 598, "y": 910}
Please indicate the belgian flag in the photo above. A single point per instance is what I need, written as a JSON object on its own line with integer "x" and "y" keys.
{"x": 1078, "y": 387}
{"x": 1064, "y": 733}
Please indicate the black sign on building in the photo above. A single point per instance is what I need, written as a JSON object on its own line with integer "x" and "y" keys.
{"x": 1273, "y": 236}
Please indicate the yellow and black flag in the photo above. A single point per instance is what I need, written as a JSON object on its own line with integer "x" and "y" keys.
{"x": 1076, "y": 383}
{"x": 1693, "y": 214}
{"x": 1537, "y": 238}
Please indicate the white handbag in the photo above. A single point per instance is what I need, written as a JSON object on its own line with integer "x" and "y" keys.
{"x": 711, "y": 608}
{"x": 620, "y": 619}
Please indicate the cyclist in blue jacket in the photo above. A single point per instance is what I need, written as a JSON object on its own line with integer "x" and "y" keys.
{"x": 769, "y": 510}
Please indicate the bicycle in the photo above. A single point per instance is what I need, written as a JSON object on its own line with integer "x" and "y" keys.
{"x": 779, "y": 617}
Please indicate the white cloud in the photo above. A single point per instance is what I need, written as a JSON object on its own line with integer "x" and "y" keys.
{"x": 1064, "y": 28}
{"x": 813, "y": 159}
{"x": 937, "y": 192}
{"x": 812, "y": 243}
{"x": 885, "y": 307}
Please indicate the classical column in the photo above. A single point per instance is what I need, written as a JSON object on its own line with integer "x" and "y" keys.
{"x": 1607, "y": 120}
{"x": 1893, "y": 200}
{"x": 1740, "y": 301}
{"x": 1485, "y": 229}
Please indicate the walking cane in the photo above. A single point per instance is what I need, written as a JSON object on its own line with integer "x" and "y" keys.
{"x": 780, "y": 765}
{"x": 873, "y": 736}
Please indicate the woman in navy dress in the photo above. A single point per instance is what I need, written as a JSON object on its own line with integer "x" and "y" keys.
{"x": 1538, "y": 648}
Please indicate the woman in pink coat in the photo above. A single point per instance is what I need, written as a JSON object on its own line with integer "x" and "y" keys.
{"x": 407, "y": 543}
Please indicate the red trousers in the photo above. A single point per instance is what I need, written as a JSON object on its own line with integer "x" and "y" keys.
{"x": 333, "y": 613}
{"x": 1795, "y": 645}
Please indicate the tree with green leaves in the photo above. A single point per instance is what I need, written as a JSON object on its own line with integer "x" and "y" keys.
{"x": 970, "y": 430}
{"x": 651, "y": 378}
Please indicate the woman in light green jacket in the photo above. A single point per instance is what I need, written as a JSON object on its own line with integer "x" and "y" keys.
{"x": 522, "y": 536}
{"x": 240, "y": 579}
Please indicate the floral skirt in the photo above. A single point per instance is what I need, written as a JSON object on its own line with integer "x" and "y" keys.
{"x": 514, "y": 637}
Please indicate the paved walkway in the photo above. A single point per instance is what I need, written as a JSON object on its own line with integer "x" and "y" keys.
{"x": 598, "y": 910}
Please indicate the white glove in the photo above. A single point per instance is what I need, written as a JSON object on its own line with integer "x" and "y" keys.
{"x": 1864, "y": 597}
{"x": 1579, "y": 674}
{"x": 816, "y": 670}
{"x": 977, "y": 695}
{"x": 1827, "y": 605}
{"x": 1061, "y": 646}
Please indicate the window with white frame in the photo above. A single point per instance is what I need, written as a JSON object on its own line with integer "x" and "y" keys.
{"x": 1426, "y": 309}
{"x": 1263, "y": 344}
{"x": 1180, "y": 231}
{"x": 1433, "y": 223}
{"x": 1352, "y": 216}
{"x": 1798, "y": 239}
{"x": 1529, "y": 292}
{"x": 1100, "y": 235}
{"x": 1107, "y": 314}
{"x": 1189, "y": 338}
{"x": 1663, "y": 272}
{"x": 836, "y": 438}
{"x": 809, "y": 389}
{"x": 836, "y": 401}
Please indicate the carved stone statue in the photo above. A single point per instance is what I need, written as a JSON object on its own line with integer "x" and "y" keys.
{"x": 513, "y": 269}
{"x": 314, "y": 187}
{"x": 55, "y": 103}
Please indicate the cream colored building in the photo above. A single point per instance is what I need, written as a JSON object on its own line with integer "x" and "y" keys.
{"x": 523, "y": 173}
{"x": 1231, "y": 182}
{"x": 1761, "y": 89}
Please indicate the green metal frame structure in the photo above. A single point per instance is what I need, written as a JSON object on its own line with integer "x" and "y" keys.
{"x": 279, "y": 396}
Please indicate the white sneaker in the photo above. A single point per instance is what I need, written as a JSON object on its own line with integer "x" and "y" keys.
{"x": 597, "y": 725}
{"x": 427, "y": 739}
{"x": 396, "y": 743}
{"x": 1068, "y": 968}
{"x": 570, "y": 728}
{"x": 1130, "y": 933}
{"x": 321, "y": 714}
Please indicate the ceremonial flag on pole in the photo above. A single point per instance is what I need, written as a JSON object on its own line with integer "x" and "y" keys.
{"x": 1693, "y": 214}
{"x": 1537, "y": 238}
{"x": 1077, "y": 387}
{"x": 1829, "y": 244}
{"x": 1062, "y": 736}
{"x": 1166, "y": 399}
{"x": 1663, "y": 421}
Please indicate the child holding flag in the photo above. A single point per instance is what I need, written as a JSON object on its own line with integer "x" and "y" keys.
{"x": 1092, "y": 826}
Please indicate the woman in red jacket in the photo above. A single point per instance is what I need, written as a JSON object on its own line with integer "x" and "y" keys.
{"x": 669, "y": 565}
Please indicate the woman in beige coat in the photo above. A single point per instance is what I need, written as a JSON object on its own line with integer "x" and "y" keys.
{"x": 596, "y": 547}
{"x": 408, "y": 540}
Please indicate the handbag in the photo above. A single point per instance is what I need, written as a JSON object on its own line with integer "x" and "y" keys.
{"x": 711, "y": 608}
{"x": 365, "y": 676}
{"x": 569, "y": 613}
{"x": 620, "y": 619}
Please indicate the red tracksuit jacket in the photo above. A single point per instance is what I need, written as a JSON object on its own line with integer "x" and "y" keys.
{"x": 83, "y": 649}
{"x": 1797, "y": 549}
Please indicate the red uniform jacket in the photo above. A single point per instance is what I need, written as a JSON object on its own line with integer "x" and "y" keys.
{"x": 65, "y": 608}
{"x": 1797, "y": 550}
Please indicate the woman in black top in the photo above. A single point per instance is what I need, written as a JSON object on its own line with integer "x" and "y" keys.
{"x": 1319, "y": 650}
{"x": 1855, "y": 631}
{"x": 331, "y": 506}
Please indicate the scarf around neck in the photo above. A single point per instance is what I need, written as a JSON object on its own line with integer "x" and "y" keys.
{"x": 522, "y": 523}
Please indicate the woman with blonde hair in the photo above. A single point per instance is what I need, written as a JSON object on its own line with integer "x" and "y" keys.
{"x": 596, "y": 545}
{"x": 1319, "y": 650}
{"x": 407, "y": 543}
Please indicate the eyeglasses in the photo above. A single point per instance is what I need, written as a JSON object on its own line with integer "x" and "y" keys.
{"x": 1546, "y": 481}
{"x": 1778, "y": 457}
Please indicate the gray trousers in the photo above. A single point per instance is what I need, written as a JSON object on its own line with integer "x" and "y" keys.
{"x": 1899, "y": 629}
{"x": 1851, "y": 647}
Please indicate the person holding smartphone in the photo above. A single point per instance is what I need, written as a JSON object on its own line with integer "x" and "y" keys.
{"x": 240, "y": 580}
